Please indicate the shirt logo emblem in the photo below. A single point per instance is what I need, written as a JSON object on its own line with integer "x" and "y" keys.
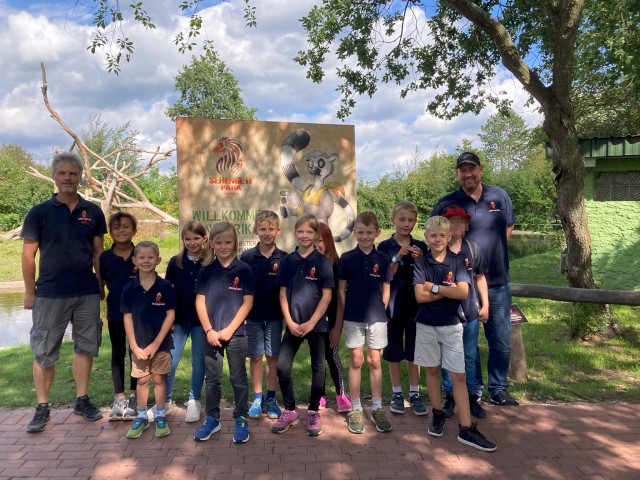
{"x": 274, "y": 269}
{"x": 448, "y": 280}
{"x": 312, "y": 274}
{"x": 134, "y": 272}
{"x": 84, "y": 218}
{"x": 493, "y": 207}
{"x": 158, "y": 300}
{"x": 234, "y": 286}
{"x": 467, "y": 264}
{"x": 375, "y": 271}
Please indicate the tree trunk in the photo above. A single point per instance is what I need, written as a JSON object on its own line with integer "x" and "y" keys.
{"x": 568, "y": 165}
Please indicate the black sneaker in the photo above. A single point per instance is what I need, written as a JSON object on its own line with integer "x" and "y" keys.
{"x": 448, "y": 405}
{"x": 437, "y": 423}
{"x": 503, "y": 398}
{"x": 40, "y": 419}
{"x": 475, "y": 407}
{"x": 84, "y": 407}
{"x": 472, "y": 437}
{"x": 397, "y": 403}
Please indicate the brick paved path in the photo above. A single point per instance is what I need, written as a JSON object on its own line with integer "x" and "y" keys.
{"x": 534, "y": 441}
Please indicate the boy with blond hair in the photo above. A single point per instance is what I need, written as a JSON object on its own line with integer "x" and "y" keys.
{"x": 441, "y": 282}
{"x": 264, "y": 323}
{"x": 404, "y": 251}
{"x": 364, "y": 277}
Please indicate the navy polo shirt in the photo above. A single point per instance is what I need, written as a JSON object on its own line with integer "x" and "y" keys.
{"x": 304, "y": 279}
{"x": 184, "y": 283}
{"x": 445, "y": 311}
{"x": 490, "y": 217}
{"x": 475, "y": 266}
{"x": 223, "y": 289}
{"x": 402, "y": 301}
{"x": 65, "y": 241}
{"x": 149, "y": 309}
{"x": 365, "y": 275}
{"x": 116, "y": 272}
{"x": 266, "y": 302}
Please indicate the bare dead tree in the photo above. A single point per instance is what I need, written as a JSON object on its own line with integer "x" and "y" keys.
{"x": 107, "y": 189}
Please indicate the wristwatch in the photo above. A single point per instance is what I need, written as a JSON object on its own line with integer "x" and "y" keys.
{"x": 396, "y": 260}
{"x": 435, "y": 289}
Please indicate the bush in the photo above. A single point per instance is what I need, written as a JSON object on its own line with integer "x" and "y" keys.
{"x": 583, "y": 320}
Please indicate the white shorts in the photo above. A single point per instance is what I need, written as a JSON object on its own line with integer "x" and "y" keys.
{"x": 440, "y": 346}
{"x": 375, "y": 334}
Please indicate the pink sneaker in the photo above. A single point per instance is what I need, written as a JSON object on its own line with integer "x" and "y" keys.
{"x": 344, "y": 404}
{"x": 314, "y": 423}
{"x": 323, "y": 402}
{"x": 288, "y": 419}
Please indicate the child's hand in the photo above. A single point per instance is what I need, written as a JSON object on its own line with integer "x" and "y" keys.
{"x": 213, "y": 338}
{"x": 483, "y": 315}
{"x": 139, "y": 353}
{"x": 305, "y": 328}
{"x": 416, "y": 252}
{"x": 404, "y": 250}
{"x": 293, "y": 327}
{"x": 224, "y": 335}
{"x": 151, "y": 350}
{"x": 334, "y": 337}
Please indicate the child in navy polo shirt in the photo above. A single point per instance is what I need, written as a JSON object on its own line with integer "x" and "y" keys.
{"x": 441, "y": 282}
{"x": 182, "y": 272}
{"x": 326, "y": 246}
{"x": 116, "y": 270}
{"x": 474, "y": 311}
{"x": 364, "y": 277}
{"x": 148, "y": 305}
{"x": 264, "y": 323}
{"x": 404, "y": 251}
{"x": 305, "y": 278}
{"x": 224, "y": 297}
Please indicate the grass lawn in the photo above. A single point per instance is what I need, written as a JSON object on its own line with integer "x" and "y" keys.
{"x": 605, "y": 368}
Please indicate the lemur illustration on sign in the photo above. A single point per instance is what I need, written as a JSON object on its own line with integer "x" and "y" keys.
{"x": 317, "y": 198}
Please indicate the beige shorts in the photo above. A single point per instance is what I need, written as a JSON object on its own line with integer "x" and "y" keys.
{"x": 160, "y": 363}
{"x": 437, "y": 346}
{"x": 373, "y": 333}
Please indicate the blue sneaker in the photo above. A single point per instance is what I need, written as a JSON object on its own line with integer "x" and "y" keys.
{"x": 255, "y": 410}
{"x": 209, "y": 427}
{"x": 418, "y": 406}
{"x": 273, "y": 409}
{"x": 241, "y": 433}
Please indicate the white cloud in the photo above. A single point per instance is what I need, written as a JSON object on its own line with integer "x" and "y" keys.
{"x": 388, "y": 129}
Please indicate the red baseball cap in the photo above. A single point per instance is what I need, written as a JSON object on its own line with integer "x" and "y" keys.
{"x": 456, "y": 211}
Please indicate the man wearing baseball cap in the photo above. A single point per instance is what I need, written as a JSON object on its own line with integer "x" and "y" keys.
{"x": 491, "y": 224}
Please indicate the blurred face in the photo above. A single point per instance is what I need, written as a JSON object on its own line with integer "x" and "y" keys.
{"x": 469, "y": 176}
{"x": 267, "y": 232}
{"x": 306, "y": 236}
{"x": 122, "y": 231}
{"x": 404, "y": 221}
{"x": 67, "y": 177}
{"x": 146, "y": 259}
{"x": 459, "y": 227}
{"x": 224, "y": 246}
{"x": 365, "y": 234}
{"x": 193, "y": 243}
{"x": 320, "y": 245}
{"x": 437, "y": 239}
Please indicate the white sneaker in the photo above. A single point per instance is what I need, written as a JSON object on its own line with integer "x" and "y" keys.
{"x": 194, "y": 408}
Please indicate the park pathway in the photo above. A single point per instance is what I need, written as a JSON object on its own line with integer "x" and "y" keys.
{"x": 534, "y": 441}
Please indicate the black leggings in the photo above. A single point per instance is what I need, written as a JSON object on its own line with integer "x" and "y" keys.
{"x": 119, "y": 350}
{"x": 332, "y": 356}
{"x": 288, "y": 350}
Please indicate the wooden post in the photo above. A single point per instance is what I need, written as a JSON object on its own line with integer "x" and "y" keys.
{"x": 518, "y": 360}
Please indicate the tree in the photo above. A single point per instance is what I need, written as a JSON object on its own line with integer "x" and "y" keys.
{"x": 208, "y": 89}
{"x": 382, "y": 41}
{"x": 18, "y": 192}
{"x": 505, "y": 140}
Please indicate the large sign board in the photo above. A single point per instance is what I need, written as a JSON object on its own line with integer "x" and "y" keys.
{"x": 229, "y": 169}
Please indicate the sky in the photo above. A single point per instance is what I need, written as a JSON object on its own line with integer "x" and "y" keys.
{"x": 57, "y": 33}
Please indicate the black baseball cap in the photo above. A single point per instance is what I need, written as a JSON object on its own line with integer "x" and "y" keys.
{"x": 468, "y": 157}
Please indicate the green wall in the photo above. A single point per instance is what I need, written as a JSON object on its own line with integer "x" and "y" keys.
{"x": 615, "y": 243}
{"x": 624, "y": 164}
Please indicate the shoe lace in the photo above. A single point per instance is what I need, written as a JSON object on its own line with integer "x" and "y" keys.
{"x": 313, "y": 419}
{"x": 138, "y": 422}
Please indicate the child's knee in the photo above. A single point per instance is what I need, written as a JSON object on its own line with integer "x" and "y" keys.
{"x": 373, "y": 358}
{"x": 143, "y": 381}
{"x": 356, "y": 359}
{"x": 158, "y": 379}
